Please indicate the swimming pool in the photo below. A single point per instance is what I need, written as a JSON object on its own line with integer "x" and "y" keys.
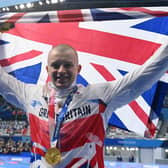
{"x": 14, "y": 161}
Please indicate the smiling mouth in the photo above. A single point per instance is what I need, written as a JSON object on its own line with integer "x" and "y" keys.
{"x": 62, "y": 79}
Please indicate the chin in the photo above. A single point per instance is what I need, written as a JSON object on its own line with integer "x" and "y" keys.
{"x": 61, "y": 86}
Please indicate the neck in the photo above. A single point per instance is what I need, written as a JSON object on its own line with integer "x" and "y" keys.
{"x": 62, "y": 93}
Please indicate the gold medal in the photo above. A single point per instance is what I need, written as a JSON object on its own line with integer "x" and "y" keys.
{"x": 53, "y": 156}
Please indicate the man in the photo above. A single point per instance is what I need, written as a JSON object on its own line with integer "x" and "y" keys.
{"x": 81, "y": 113}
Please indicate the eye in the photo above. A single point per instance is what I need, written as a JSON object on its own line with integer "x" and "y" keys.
{"x": 68, "y": 65}
{"x": 55, "y": 65}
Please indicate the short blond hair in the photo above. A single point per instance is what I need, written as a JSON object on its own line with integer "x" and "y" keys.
{"x": 63, "y": 48}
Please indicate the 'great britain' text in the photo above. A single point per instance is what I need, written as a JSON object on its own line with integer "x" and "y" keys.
{"x": 78, "y": 112}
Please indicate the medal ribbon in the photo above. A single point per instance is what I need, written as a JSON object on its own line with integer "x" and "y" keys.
{"x": 60, "y": 118}
{"x": 53, "y": 155}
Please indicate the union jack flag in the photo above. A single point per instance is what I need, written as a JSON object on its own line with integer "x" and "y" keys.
{"x": 110, "y": 42}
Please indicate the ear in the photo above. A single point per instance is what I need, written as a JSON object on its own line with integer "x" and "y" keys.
{"x": 47, "y": 68}
{"x": 79, "y": 68}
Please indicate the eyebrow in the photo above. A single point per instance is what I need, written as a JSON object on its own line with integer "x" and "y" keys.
{"x": 61, "y": 62}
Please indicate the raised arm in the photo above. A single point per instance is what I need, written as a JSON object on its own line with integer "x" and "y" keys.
{"x": 13, "y": 90}
{"x": 121, "y": 92}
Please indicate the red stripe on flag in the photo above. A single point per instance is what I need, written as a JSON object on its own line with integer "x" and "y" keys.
{"x": 91, "y": 41}
{"x": 148, "y": 11}
{"x": 151, "y": 128}
{"x": 141, "y": 115}
{"x": 70, "y": 16}
{"x": 14, "y": 18}
{"x": 134, "y": 105}
{"x": 20, "y": 57}
{"x": 103, "y": 71}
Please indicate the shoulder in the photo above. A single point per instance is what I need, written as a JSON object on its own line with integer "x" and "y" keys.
{"x": 34, "y": 89}
{"x": 92, "y": 90}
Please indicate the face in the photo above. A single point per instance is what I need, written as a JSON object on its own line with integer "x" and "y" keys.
{"x": 62, "y": 67}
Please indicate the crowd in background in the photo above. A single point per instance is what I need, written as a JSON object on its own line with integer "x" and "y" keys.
{"x": 10, "y": 146}
{"x": 13, "y": 123}
{"x": 10, "y": 112}
{"x": 13, "y": 128}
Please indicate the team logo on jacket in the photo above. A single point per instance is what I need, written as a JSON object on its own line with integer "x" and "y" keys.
{"x": 35, "y": 103}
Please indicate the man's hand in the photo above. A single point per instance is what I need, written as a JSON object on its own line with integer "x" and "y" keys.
{"x": 6, "y": 26}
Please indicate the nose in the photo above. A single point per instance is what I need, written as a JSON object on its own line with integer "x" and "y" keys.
{"x": 61, "y": 68}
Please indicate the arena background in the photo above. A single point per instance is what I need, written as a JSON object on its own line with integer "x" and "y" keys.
{"x": 147, "y": 147}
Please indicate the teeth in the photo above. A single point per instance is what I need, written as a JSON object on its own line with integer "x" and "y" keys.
{"x": 62, "y": 77}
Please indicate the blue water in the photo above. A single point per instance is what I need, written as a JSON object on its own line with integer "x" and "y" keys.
{"x": 12, "y": 161}
{"x": 131, "y": 165}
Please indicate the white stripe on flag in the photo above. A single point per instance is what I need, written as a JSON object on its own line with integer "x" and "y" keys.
{"x": 87, "y": 16}
{"x": 164, "y": 78}
{"x": 160, "y": 8}
{"x": 125, "y": 28}
{"x": 6, "y": 16}
{"x": 84, "y": 152}
{"x": 131, "y": 120}
{"x": 34, "y": 17}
